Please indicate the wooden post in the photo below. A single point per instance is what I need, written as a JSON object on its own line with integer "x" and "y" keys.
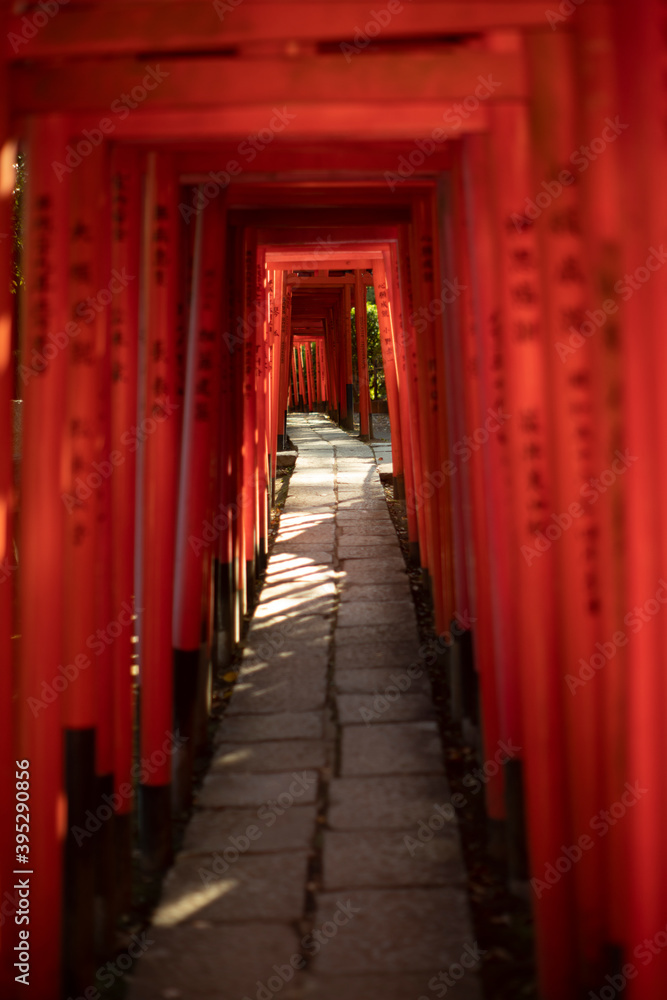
{"x": 8, "y": 779}
{"x": 199, "y": 420}
{"x": 347, "y": 388}
{"x": 532, "y": 488}
{"x": 160, "y": 472}
{"x": 365, "y": 431}
{"x": 86, "y": 476}
{"x": 601, "y": 203}
{"x": 492, "y": 354}
{"x": 567, "y": 295}
{"x": 124, "y": 318}
{"x": 46, "y": 332}
{"x": 642, "y": 290}
{"x": 385, "y": 321}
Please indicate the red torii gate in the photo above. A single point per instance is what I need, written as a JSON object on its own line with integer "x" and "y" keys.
{"x": 528, "y": 271}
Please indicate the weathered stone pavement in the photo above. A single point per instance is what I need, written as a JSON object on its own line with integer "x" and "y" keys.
{"x": 296, "y": 878}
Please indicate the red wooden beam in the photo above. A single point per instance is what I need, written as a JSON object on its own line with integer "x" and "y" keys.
{"x": 136, "y": 89}
{"x": 196, "y": 26}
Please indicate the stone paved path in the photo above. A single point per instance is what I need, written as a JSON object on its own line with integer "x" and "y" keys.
{"x": 295, "y": 878}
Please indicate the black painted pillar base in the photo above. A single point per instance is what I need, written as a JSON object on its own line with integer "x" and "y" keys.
{"x": 155, "y": 827}
{"x": 428, "y": 584}
{"x": 84, "y": 823}
{"x": 455, "y": 670}
{"x": 496, "y": 839}
{"x": 414, "y": 554}
{"x": 250, "y": 584}
{"x": 200, "y": 737}
{"x": 223, "y": 618}
{"x": 399, "y": 487}
{"x": 348, "y": 422}
{"x": 106, "y": 913}
{"x": 517, "y": 849}
{"x": 262, "y": 557}
{"x": 186, "y": 682}
{"x": 122, "y": 843}
{"x": 469, "y": 678}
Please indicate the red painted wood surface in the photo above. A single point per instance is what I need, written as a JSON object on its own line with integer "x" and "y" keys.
{"x": 533, "y": 503}
{"x": 124, "y": 321}
{"x": 7, "y": 556}
{"x": 159, "y": 455}
{"x": 44, "y": 478}
{"x": 199, "y": 420}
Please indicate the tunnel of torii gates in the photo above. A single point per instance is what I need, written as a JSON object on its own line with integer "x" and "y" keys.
{"x": 190, "y": 258}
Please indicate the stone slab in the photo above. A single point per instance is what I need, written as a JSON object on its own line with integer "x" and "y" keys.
{"x": 190, "y": 963}
{"x": 359, "y": 592}
{"x": 281, "y": 828}
{"x": 375, "y": 986}
{"x": 372, "y": 571}
{"x": 370, "y": 709}
{"x": 300, "y": 628}
{"x": 379, "y": 531}
{"x": 377, "y": 613}
{"x": 396, "y": 802}
{"x": 267, "y": 757}
{"x": 244, "y": 790}
{"x": 395, "y": 930}
{"x": 357, "y": 635}
{"x": 316, "y": 554}
{"x": 400, "y": 748}
{"x": 375, "y": 680}
{"x": 376, "y": 654}
{"x": 382, "y": 858}
{"x": 282, "y": 726}
{"x": 279, "y": 689}
{"x": 267, "y": 887}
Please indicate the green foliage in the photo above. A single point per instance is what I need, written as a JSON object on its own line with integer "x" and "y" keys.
{"x": 375, "y": 366}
